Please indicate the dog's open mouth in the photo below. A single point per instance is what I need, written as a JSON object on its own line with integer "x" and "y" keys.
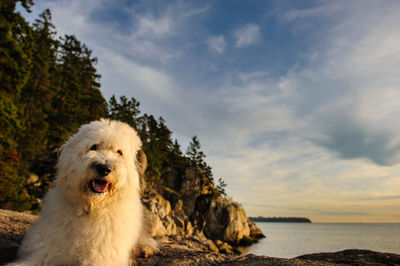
{"x": 98, "y": 185}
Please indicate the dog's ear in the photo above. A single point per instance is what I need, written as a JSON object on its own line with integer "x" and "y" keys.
{"x": 141, "y": 165}
{"x": 141, "y": 162}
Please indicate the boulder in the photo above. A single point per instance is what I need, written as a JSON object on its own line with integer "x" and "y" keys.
{"x": 227, "y": 221}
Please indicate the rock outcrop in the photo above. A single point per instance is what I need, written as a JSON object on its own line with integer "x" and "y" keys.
{"x": 194, "y": 250}
{"x": 186, "y": 205}
{"x": 227, "y": 221}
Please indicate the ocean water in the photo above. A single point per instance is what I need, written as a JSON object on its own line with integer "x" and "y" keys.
{"x": 288, "y": 240}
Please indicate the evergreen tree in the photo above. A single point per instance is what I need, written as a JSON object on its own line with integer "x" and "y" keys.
{"x": 196, "y": 157}
{"x": 193, "y": 152}
{"x": 176, "y": 157}
{"x": 157, "y": 147}
{"x": 125, "y": 110}
{"x": 164, "y": 136}
{"x": 37, "y": 94}
{"x": 176, "y": 148}
{"x": 77, "y": 99}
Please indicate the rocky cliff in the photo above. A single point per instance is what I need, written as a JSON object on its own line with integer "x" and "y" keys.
{"x": 185, "y": 205}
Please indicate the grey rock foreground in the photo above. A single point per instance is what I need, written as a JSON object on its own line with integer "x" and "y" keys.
{"x": 13, "y": 226}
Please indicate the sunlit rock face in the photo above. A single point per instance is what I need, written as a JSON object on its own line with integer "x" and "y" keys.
{"x": 186, "y": 205}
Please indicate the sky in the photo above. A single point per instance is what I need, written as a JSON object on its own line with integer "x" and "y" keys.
{"x": 296, "y": 103}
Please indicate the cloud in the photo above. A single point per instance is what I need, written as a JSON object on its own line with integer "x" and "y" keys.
{"x": 324, "y": 10}
{"x": 145, "y": 32}
{"x": 247, "y": 35}
{"x": 350, "y": 139}
{"x": 149, "y": 82}
{"x": 217, "y": 44}
{"x": 348, "y": 86}
{"x": 158, "y": 27}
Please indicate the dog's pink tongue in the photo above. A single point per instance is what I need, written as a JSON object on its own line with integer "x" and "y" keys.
{"x": 100, "y": 187}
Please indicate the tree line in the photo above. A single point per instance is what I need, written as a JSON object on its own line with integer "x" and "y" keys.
{"x": 280, "y": 219}
{"x": 49, "y": 87}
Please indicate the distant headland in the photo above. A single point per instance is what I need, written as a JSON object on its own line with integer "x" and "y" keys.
{"x": 280, "y": 219}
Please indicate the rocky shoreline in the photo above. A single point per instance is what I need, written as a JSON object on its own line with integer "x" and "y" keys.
{"x": 172, "y": 254}
{"x": 194, "y": 250}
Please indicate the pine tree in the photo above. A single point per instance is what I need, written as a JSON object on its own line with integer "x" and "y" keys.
{"x": 176, "y": 158}
{"x": 125, "y": 110}
{"x": 193, "y": 152}
{"x": 196, "y": 157}
{"x": 157, "y": 147}
{"x": 176, "y": 148}
{"x": 37, "y": 94}
{"x": 164, "y": 136}
{"x": 77, "y": 99}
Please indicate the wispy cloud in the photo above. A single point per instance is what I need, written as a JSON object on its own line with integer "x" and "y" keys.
{"x": 247, "y": 35}
{"x": 348, "y": 93}
{"x": 158, "y": 27}
{"x": 217, "y": 44}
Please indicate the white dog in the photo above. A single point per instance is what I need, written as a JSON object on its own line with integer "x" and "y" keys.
{"x": 93, "y": 215}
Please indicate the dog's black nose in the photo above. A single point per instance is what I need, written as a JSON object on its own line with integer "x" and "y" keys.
{"x": 102, "y": 169}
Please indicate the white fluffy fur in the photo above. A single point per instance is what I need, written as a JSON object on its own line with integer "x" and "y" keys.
{"x": 77, "y": 226}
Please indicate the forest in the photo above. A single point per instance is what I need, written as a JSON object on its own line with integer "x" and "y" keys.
{"x": 49, "y": 87}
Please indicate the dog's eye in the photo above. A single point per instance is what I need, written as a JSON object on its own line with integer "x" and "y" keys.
{"x": 119, "y": 152}
{"x": 94, "y": 147}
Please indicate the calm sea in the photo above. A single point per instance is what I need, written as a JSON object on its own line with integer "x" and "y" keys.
{"x": 288, "y": 240}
